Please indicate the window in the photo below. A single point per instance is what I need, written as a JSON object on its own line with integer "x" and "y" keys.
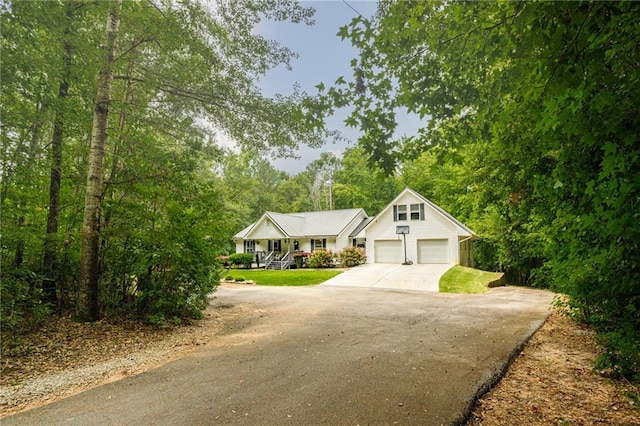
{"x": 415, "y": 211}
{"x": 296, "y": 245}
{"x": 318, "y": 244}
{"x": 402, "y": 212}
{"x": 249, "y": 246}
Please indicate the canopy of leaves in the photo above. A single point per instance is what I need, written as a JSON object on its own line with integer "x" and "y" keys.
{"x": 539, "y": 104}
{"x": 184, "y": 73}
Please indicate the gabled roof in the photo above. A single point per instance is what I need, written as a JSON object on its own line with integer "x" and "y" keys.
{"x": 439, "y": 209}
{"x": 360, "y": 227}
{"x": 307, "y": 224}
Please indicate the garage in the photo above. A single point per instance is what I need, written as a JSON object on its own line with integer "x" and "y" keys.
{"x": 433, "y": 251}
{"x": 387, "y": 251}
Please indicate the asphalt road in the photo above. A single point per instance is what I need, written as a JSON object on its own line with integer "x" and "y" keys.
{"x": 323, "y": 355}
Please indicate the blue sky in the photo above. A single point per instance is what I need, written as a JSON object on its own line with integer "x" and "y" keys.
{"x": 323, "y": 57}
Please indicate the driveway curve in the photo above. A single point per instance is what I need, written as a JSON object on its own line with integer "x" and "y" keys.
{"x": 324, "y": 355}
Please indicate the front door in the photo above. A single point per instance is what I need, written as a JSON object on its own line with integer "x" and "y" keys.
{"x": 275, "y": 245}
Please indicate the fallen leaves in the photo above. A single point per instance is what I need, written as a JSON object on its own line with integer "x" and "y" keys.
{"x": 552, "y": 382}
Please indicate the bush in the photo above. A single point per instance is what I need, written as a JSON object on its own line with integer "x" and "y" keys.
{"x": 351, "y": 256}
{"x": 241, "y": 259}
{"x": 21, "y": 309}
{"x": 321, "y": 259}
{"x": 621, "y": 356}
{"x": 174, "y": 271}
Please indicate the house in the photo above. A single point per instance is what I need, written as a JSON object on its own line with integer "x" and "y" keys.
{"x": 410, "y": 229}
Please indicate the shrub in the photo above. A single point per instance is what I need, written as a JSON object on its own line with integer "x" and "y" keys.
{"x": 21, "y": 310}
{"x": 321, "y": 259}
{"x": 228, "y": 278}
{"x": 241, "y": 259}
{"x": 301, "y": 258}
{"x": 620, "y": 357}
{"x": 351, "y": 256}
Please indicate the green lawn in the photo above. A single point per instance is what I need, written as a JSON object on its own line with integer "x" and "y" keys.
{"x": 461, "y": 279}
{"x": 287, "y": 277}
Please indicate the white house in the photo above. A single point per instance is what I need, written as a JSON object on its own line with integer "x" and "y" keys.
{"x": 409, "y": 229}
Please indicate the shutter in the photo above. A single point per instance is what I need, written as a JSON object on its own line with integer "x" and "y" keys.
{"x": 270, "y": 245}
{"x": 313, "y": 245}
{"x": 324, "y": 243}
{"x": 395, "y": 213}
{"x": 422, "y": 211}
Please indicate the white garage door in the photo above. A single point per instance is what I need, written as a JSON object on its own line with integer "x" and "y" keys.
{"x": 433, "y": 251}
{"x": 387, "y": 251}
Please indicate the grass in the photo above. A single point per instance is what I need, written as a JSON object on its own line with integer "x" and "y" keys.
{"x": 461, "y": 279}
{"x": 290, "y": 277}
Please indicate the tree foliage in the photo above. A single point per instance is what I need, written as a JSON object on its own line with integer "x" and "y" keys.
{"x": 183, "y": 78}
{"x": 538, "y": 103}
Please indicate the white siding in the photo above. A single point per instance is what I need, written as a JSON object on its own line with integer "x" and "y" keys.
{"x": 435, "y": 226}
{"x": 267, "y": 230}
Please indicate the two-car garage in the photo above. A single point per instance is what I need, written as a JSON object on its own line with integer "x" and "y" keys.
{"x": 428, "y": 251}
{"x": 413, "y": 229}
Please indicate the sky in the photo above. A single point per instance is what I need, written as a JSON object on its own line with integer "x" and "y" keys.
{"x": 323, "y": 57}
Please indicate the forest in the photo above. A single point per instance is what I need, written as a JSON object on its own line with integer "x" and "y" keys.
{"x": 117, "y": 196}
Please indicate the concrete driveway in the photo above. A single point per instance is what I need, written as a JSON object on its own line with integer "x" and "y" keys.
{"x": 391, "y": 276}
{"x": 324, "y": 355}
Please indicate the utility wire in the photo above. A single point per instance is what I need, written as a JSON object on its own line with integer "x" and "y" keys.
{"x": 352, "y": 8}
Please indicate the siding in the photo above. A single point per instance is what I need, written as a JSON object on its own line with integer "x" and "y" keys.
{"x": 435, "y": 226}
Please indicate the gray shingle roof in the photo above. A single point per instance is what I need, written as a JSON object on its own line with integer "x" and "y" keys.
{"x": 309, "y": 224}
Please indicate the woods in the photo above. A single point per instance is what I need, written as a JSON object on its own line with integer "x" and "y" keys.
{"x": 532, "y": 110}
{"x": 118, "y": 192}
{"x": 112, "y": 200}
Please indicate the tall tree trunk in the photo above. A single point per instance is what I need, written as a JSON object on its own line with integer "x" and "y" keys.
{"x": 87, "y": 303}
{"x": 49, "y": 261}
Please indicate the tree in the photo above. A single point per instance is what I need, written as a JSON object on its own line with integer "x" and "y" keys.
{"x": 150, "y": 241}
{"x": 87, "y": 306}
{"x": 544, "y": 99}
{"x": 358, "y": 185}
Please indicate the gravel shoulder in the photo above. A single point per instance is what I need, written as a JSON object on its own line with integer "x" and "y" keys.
{"x": 65, "y": 358}
{"x": 550, "y": 382}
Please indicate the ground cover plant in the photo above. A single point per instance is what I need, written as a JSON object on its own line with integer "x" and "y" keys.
{"x": 290, "y": 277}
{"x": 461, "y": 279}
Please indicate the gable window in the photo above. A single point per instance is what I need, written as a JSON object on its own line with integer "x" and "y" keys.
{"x": 402, "y": 212}
{"x": 249, "y": 246}
{"x": 399, "y": 212}
{"x": 417, "y": 211}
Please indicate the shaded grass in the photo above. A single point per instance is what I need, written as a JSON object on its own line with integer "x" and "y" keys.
{"x": 290, "y": 277}
{"x": 461, "y": 279}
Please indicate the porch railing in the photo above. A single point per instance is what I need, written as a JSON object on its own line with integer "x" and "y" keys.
{"x": 282, "y": 262}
